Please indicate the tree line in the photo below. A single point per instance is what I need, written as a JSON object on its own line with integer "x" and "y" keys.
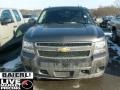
{"x": 106, "y": 11}
{"x": 99, "y": 12}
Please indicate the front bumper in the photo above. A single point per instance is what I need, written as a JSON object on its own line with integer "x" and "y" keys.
{"x": 62, "y": 69}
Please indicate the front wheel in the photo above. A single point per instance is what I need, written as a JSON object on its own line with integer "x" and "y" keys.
{"x": 114, "y": 36}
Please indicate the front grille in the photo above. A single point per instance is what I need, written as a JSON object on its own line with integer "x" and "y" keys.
{"x": 64, "y": 50}
{"x": 63, "y": 44}
{"x": 63, "y": 54}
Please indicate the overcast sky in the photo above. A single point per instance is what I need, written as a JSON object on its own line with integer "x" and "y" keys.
{"x": 39, "y": 4}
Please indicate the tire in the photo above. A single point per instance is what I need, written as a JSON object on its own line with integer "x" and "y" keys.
{"x": 114, "y": 36}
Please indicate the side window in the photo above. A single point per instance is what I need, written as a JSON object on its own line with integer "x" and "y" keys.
{"x": 42, "y": 17}
{"x": 17, "y": 16}
{"x": 6, "y": 15}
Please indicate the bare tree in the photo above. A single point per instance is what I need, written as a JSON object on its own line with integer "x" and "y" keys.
{"x": 117, "y": 3}
{"x": 106, "y": 11}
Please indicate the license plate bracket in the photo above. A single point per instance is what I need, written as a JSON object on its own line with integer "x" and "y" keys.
{"x": 62, "y": 74}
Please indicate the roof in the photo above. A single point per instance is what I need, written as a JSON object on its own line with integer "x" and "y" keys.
{"x": 66, "y": 7}
{"x": 8, "y": 8}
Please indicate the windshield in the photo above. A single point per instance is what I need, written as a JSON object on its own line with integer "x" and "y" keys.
{"x": 108, "y": 17}
{"x": 62, "y": 16}
{"x": 118, "y": 18}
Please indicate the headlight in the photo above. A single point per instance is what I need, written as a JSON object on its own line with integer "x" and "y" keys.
{"x": 28, "y": 47}
{"x": 100, "y": 47}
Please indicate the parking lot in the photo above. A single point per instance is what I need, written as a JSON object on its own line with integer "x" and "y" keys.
{"x": 10, "y": 61}
{"x": 60, "y": 40}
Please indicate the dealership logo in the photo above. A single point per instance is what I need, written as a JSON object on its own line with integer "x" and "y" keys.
{"x": 9, "y": 84}
{"x": 27, "y": 84}
{"x": 16, "y": 81}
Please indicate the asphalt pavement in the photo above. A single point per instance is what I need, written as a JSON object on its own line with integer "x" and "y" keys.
{"x": 10, "y": 61}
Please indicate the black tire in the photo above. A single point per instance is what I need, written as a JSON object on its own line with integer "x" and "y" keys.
{"x": 114, "y": 36}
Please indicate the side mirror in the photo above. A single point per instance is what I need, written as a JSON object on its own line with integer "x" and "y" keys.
{"x": 6, "y": 21}
{"x": 32, "y": 21}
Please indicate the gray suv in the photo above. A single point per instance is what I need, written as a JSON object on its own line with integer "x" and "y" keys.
{"x": 65, "y": 43}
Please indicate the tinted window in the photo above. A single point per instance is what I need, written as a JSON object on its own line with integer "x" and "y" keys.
{"x": 6, "y": 15}
{"x": 65, "y": 16}
{"x": 17, "y": 16}
{"x": 27, "y": 16}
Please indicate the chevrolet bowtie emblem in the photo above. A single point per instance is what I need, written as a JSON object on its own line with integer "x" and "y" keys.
{"x": 64, "y": 49}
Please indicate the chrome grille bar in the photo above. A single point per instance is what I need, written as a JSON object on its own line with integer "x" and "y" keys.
{"x": 49, "y": 50}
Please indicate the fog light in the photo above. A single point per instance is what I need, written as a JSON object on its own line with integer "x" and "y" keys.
{"x": 101, "y": 68}
{"x": 85, "y": 71}
{"x": 44, "y": 72}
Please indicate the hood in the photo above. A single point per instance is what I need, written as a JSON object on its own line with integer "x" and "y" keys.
{"x": 63, "y": 33}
